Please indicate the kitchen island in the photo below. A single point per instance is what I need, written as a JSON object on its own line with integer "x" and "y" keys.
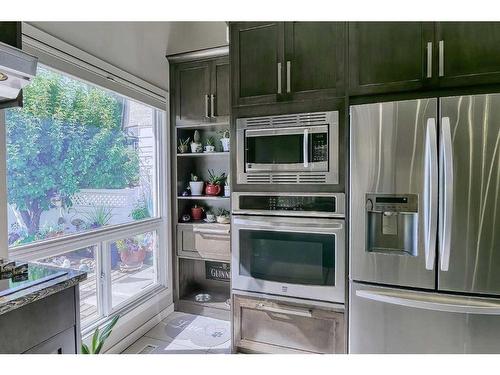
{"x": 40, "y": 312}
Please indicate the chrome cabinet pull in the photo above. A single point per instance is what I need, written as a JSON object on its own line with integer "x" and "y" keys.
{"x": 429, "y": 59}
{"x": 279, "y": 78}
{"x": 441, "y": 58}
{"x": 206, "y": 106}
{"x": 430, "y": 193}
{"x": 447, "y": 190}
{"x": 212, "y": 105}
{"x": 288, "y": 76}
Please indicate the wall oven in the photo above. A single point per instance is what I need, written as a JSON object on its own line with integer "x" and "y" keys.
{"x": 298, "y": 148}
{"x": 277, "y": 248}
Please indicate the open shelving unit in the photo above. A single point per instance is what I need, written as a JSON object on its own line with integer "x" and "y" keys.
{"x": 195, "y": 243}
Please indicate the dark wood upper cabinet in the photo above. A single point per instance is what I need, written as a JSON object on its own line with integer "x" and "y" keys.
{"x": 390, "y": 56}
{"x": 469, "y": 53}
{"x": 192, "y": 93}
{"x": 202, "y": 91}
{"x": 286, "y": 61}
{"x": 257, "y": 58}
{"x": 220, "y": 99}
{"x": 10, "y": 33}
{"x": 314, "y": 54}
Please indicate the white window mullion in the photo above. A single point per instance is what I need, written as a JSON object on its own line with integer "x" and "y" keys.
{"x": 106, "y": 277}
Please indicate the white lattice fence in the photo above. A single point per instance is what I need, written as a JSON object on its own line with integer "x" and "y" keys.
{"x": 118, "y": 198}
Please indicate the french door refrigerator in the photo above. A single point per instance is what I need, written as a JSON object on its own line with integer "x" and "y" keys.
{"x": 425, "y": 226}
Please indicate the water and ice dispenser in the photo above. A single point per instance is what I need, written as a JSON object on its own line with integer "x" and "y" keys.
{"x": 392, "y": 223}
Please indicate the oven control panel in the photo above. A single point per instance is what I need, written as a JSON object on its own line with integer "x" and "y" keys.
{"x": 288, "y": 204}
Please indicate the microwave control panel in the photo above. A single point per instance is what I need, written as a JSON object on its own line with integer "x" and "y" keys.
{"x": 288, "y": 203}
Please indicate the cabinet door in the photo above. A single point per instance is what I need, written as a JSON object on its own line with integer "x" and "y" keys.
{"x": 314, "y": 54}
{"x": 62, "y": 343}
{"x": 469, "y": 52}
{"x": 220, "y": 99}
{"x": 257, "y": 62}
{"x": 390, "y": 56}
{"x": 192, "y": 93}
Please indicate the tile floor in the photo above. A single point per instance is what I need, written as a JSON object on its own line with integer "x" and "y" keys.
{"x": 182, "y": 333}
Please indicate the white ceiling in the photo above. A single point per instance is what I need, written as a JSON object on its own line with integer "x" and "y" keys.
{"x": 138, "y": 47}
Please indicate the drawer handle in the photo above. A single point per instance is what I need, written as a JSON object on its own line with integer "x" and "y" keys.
{"x": 297, "y": 312}
{"x": 211, "y": 231}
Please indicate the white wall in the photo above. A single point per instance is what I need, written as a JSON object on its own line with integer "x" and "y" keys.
{"x": 139, "y": 48}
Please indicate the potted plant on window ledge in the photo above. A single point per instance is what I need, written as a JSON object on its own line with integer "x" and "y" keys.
{"x": 133, "y": 251}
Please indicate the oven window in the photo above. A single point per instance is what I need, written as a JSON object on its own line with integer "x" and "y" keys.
{"x": 275, "y": 149}
{"x": 295, "y": 258}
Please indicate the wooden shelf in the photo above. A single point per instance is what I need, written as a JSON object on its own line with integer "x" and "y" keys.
{"x": 201, "y": 154}
{"x": 203, "y": 197}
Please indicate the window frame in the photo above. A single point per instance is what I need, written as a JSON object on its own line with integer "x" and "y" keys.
{"x": 104, "y": 236}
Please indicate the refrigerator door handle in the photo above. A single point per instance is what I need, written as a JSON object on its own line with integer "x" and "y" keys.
{"x": 434, "y": 302}
{"x": 447, "y": 193}
{"x": 430, "y": 193}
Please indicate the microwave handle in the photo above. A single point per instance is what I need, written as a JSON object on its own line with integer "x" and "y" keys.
{"x": 305, "y": 146}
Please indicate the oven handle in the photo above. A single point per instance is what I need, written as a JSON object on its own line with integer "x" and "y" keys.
{"x": 289, "y": 225}
{"x": 211, "y": 231}
{"x": 305, "y": 146}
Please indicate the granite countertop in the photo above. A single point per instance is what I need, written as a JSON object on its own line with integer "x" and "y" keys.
{"x": 22, "y": 297}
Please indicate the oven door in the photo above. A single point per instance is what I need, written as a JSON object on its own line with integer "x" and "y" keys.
{"x": 294, "y": 257}
{"x": 297, "y": 149}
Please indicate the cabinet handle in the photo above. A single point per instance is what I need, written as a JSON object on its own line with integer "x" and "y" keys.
{"x": 441, "y": 58}
{"x": 278, "y": 310}
{"x": 429, "y": 59}
{"x": 206, "y": 106}
{"x": 288, "y": 74}
{"x": 279, "y": 78}
{"x": 212, "y": 105}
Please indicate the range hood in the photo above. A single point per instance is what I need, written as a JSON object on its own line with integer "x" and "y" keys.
{"x": 17, "y": 69}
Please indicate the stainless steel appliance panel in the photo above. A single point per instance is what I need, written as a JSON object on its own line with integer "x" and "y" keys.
{"x": 389, "y": 320}
{"x": 288, "y": 256}
{"x": 469, "y": 245}
{"x": 391, "y": 146}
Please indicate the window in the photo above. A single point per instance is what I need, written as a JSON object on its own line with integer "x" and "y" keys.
{"x": 82, "y": 182}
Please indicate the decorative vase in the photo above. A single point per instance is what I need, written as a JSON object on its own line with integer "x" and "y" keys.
{"x": 227, "y": 191}
{"x": 196, "y": 213}
{"x": 209, "y": 148}
{"x": 196, "y": 187}
{"x": 196, "y": 147}
{"x": 212, "y": 189}
{"x": 223, "y": 219}
{"x": 225, "y": 144}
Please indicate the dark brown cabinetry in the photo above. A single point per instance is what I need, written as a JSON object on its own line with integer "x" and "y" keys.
{"x": 202, "y": 92}
{"x": 389, "y": 56}
{"x": 468, "y": 53}
{"x": 286, "y": 61}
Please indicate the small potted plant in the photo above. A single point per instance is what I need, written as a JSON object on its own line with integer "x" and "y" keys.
{"x": 214, "y": 183}
{"x": 222, "y": 216}
{"x": 133, "y": 251}
{"x": 183, "y": 145}
{"x": 195, "y": 185}
{"x": 209, "y": 145}
{"x": 225, "y": 140}
{"x": 196, "y": 212}
{"x": 196, "y": 145}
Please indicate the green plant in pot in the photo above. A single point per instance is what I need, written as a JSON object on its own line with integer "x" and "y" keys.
{"x": 224, "y": 140}
{"x": 196, "y": 145}
{"x": 99, "y": 337}
{"x": 196, "y": 185}
{"x": 98, "y": 216}
{"x": 183, "y": 145}
{"x": 214, "y": 183}
{"x": 222, "y": 216}
{"x": 210, "y": 145}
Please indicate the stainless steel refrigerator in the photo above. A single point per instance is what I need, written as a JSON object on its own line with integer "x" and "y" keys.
{"x": 425, "y": 226}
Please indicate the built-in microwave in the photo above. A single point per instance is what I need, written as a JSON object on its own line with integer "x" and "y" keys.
{"x": 300, "y": 148}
